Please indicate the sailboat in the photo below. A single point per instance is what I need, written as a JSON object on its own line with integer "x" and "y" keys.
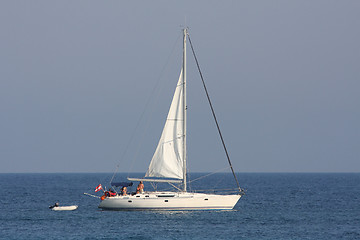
{"x": 168, "y": 164}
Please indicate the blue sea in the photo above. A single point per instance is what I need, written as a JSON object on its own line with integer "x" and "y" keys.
{"x": 276, "y": 206}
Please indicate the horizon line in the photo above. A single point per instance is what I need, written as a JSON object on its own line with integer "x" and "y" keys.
{"x": 272, "y": 172}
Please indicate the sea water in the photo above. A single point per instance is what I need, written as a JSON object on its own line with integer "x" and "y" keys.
{"x": 276, "y": 206}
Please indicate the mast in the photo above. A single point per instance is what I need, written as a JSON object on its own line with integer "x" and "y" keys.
{"x": 184, "y": 108}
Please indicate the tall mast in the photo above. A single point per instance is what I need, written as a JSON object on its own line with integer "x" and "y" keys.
{"x": 184, "y": 107}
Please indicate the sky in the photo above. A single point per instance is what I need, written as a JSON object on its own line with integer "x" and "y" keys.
{"x": 85, "y": 86}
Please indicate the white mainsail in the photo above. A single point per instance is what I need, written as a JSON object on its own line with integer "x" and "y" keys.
{"x": 168, "y": 160}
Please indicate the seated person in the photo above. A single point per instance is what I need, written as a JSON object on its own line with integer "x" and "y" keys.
{"x": 112, "y": 193}
{"x": 55, "y": 205}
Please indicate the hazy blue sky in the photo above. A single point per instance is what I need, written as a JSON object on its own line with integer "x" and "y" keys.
{"x": 75, "y": 77}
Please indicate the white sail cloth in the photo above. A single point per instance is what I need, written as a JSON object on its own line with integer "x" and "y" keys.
{"x": 167, "y": 161}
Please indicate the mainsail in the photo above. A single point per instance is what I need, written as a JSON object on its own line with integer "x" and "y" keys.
{"x": 168, "y": 159}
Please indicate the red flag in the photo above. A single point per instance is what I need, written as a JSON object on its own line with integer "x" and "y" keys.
{"x": 98, "y": 188}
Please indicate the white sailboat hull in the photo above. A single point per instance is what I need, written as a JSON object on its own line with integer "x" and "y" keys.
{"x": 170, "y": 201}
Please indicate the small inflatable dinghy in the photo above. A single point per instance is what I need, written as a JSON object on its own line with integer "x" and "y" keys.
{"x": 56, "y": 207}
{"x": 65, "y": 208}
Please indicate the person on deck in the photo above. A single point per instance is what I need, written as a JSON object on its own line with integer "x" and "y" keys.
{"x": 123, "y": 191}
{"x": 55, "y": 205}
{"x": 112, "y": 193}
{"x": 140, "y": 188}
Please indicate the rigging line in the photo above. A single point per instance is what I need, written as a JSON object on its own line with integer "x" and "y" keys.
{"x": 153, "y": 102}
{"x": 146, "y": 106}
{"x": 220, "y": 180}
{"x": 175, "y": 186}
{"x": 188, "y": 178}
{"x": 127, "y": 147}
{"x": 207, "y": 175}
{"x": 213, "y": 113}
